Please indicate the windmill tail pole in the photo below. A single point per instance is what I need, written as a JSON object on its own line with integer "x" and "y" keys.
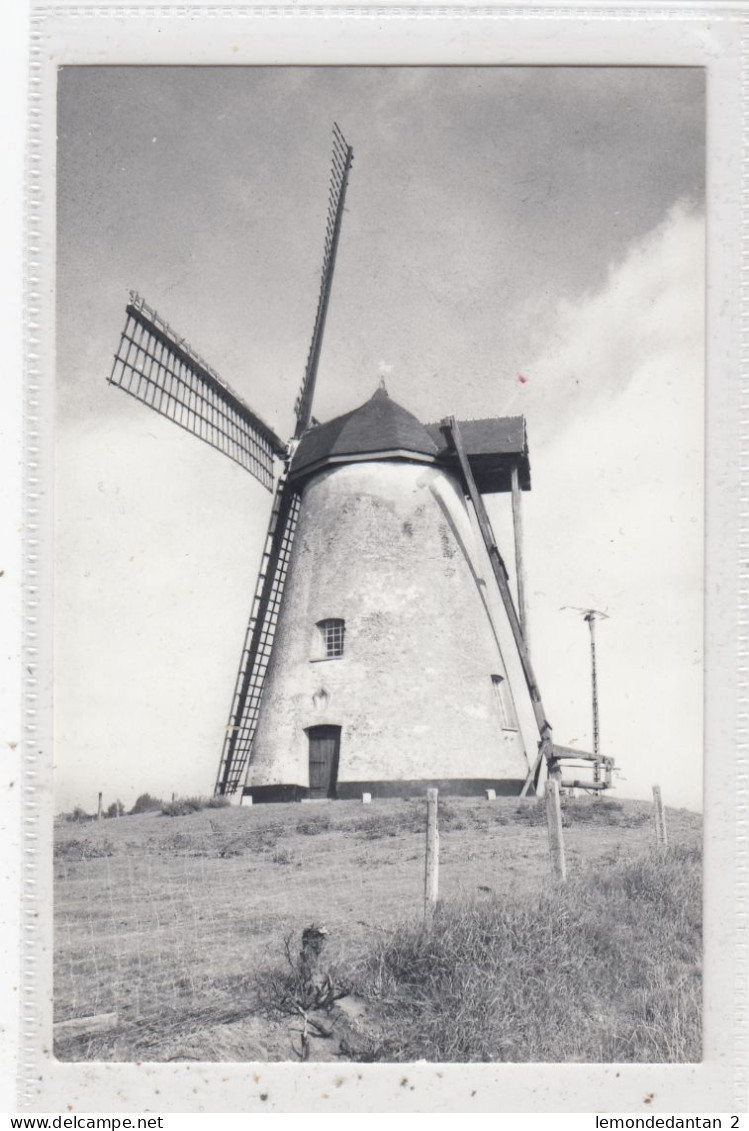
{"x": 499, "y": 570}
{"x": 545, "y": 749}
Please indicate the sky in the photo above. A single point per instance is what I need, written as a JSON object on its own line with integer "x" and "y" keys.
{"x": 516, "y": 241}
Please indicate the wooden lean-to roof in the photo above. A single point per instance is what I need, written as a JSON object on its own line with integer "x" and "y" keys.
{"x": 493, "y": 445}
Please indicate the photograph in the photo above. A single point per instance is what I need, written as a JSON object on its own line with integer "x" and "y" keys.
{"x": 379, "y": 597}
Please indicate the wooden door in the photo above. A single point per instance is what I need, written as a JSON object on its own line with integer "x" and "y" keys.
{"x": 324, "y": 744}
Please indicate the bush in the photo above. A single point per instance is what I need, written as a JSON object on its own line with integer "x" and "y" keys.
{"x": 79, "y": 814}
{"x": 318, "y": 824}
{"x": 219, "y": 802}
{"x": 83, "y": 849}
{"x": 531, "y": 812}
{"x": 181, "y": 807}
{"x": 184, "y": 805}
{"x": 603, "y": 810}
{"x": 116, "y": 809}
{"x": 378, "y": 824}
{"x": 284, "y": 990}
{"x": 146, "y": 804}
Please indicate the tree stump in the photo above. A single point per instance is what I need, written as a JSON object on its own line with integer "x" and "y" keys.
{"x": 317, "y": 987}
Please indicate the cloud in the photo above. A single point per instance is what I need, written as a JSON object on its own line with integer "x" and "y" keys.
{"x": 647, "y": 320}
{"x": 616, "y": 424}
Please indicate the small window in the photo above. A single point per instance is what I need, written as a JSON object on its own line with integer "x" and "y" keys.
{"x": 332, "y": 632}
{"x": 504, "y": 702}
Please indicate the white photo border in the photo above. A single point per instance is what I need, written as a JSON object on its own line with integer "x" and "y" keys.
{"x": 353, "y": 34}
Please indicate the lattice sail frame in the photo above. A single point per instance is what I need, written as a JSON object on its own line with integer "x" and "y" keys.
{"x": 159, "y": 368}
{"x": 240, "y": 732}
{"x": 258, "y": 644}
{"x": 343, "y": 156}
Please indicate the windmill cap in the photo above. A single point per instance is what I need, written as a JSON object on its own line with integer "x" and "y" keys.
{"x": 379, "y": 428}
{"x": 383, "y": 429}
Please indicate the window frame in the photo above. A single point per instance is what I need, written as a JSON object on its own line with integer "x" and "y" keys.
{"x": 331, "y": 638}
{"x": 505, "y": 703}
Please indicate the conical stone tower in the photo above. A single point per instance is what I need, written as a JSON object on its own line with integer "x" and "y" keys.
{"x": 387, "y": 674}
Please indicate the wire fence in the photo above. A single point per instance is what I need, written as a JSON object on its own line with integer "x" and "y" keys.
{"x": 152, "y": 912}
{"x": 159, "y": 917}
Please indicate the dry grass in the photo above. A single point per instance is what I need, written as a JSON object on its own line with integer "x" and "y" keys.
{"x": 168, "y": 922}
{"x": 606, "y": 968}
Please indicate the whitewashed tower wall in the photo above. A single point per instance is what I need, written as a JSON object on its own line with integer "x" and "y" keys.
{"x": 387, "y": 546}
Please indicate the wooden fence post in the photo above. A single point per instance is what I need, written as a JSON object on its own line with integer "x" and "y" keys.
{"x": 659, "y": 820}
{"x": 431, "y": 877}
{"x": 554, "y": 825}
{"x": 98, "y": 809}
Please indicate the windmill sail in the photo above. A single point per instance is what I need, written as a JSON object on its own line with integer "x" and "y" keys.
{"x": 157, "y": 367}
{"x": 343, "y": 156}
{"x": 240, "y": 732}
{"x": 259, "y": 640}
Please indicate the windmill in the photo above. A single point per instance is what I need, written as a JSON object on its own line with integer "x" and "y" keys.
{"x": 384, "y": 652}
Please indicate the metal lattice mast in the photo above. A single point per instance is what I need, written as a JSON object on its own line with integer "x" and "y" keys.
{"x": 590, "y": 616}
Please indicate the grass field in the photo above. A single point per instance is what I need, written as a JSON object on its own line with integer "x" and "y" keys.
{"x": 178, "y": 925}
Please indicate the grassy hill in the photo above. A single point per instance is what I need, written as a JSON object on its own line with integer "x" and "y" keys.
{"x": 178, "y": 928}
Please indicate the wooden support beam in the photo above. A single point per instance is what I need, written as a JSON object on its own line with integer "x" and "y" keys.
{"x": 583, "y": 785}
{"x": 544, "y": 751}
{"x": 97, "y": 1023}
{"x": 572, "y": 752}
{"x": 517, "y": 529}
